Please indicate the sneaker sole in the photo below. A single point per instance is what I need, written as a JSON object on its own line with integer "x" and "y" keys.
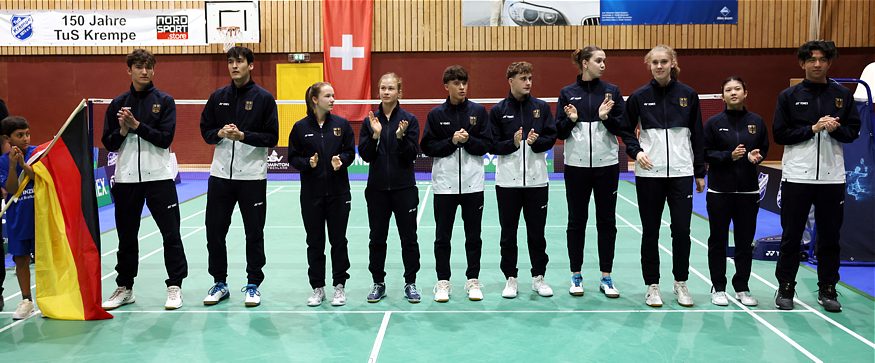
{"x": 251, "y": 305}
{"x": 376, "y": 300}
{"x": 575, "y": 293}
{"x": 211, "y": 303}
{"x": 612, "y": 296}
{"x": 337, "y": 304}
{"x": 474, "y": 298}
{"x": 414, "y": 301}
{"x": 687, "y": 305}
{"x": 172, "y": 307}
{"x": 441, "y": 300}
{"x": 116, "y": 307}
{"x": 829, "y": 310}
{"x": 655, "y": 305}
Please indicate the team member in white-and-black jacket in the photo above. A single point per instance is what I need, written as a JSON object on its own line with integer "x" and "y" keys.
{"x": 667, "y": 158}
{"x": 735, "y": 142}
{"x": 523, "y": 130}
{"x": 589, "y": 117}
{"x": 388, "y": 141}
{"x": 321, "y": 147}
{"x": 813, "y": 119}
{"x": 139, "y": 126}
{"x": 457, "y": 136}
{"x": 241, "y": 120}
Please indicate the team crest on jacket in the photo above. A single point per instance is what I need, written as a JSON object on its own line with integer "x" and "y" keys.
{"x": 683, "y": 101}
{"x": 336, "y": 131}
{"x": 752, "y": 129}
{"x": 248, "y": 106}
{"x": 156, "y": 108}
{"x": 472, "y": 120}
{"x": 839, "y": 102}
{"x": 536, "y": 113}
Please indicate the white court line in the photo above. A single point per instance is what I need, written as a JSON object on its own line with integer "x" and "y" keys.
{"x": 454, "y": 227}
{"x": 744, "y": 308}
{"x": 422, "y": 206}
{"x": 36, "y": 312}
{"x": 430, "y": 312}
{"x": 379, "y": 341}
{"x": 774, "y": 287}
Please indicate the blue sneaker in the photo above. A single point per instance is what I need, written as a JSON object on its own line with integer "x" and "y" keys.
{"x": 412, "y": 293}
{"x": 576, "y": 288}
{"x": 607, "y": 287}
{"x": 217, "y": 293}
{"x": 378, "y": 292}
{"x": 253, "y": 296}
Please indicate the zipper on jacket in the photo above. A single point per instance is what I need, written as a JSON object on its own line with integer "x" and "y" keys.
{"x": 735, "y": 168}
{"x": 589, "y": 124}
{"x": 139, "y": 156}
{"x": 665, "y": 126}
{"x": 459, "y": 150}
{"x": 523, "y": 141}
{"x": 231, "y": 164}
{"x": 817, "y": 169}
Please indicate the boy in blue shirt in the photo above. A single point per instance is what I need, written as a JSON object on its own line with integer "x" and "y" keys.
{"x": 19, "y": 216}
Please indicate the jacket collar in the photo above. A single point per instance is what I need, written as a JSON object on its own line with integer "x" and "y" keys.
{"x": 515, "y": 101}
{"x": 149, "y": 89}
{"x": 670, "y": 85}
{"x": 246, "y": 87}
{"x": 461, "y": 106}
{"x": 586, "y": 84}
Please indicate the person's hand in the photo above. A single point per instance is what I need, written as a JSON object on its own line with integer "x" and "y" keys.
{"x": 643, "y": 160}
{"x": 376, "y": 127}
{"x": 828, "y": 123}
{"x": 518, "y": 137}
{"x": 605, "y": 109}
{"x": 532, "y": 137}
{"x": 738, "y": 152}
{"x": 402, "y": 128}
{"x": 464, "y": 136}
{"x": 336, "y": 163}
{"x": 314, "y": 160}
{"x": 754, "y": 156}
{"x": 700, "y": 185}
{"x": 15, "y": 156}
{"x": 571, "y": 112}
{"x": 832, "y": 125}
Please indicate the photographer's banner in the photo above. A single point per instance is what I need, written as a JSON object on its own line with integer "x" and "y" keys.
{"x": 102, "y": 28}
{"x": 597, "y": 12}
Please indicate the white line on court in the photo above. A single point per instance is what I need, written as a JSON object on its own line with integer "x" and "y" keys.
{"x": 430, "y": 312}
{"x": 774, "y": 287}
{"x": 425, "y": 227}
{"x": 744, "y": 308}
{"x": 422, "y": 206}
{"x": 379, "y": 341}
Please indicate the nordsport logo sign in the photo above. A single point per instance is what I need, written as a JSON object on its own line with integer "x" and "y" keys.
{"x": 171, "y": 27}
{"x": 22, "y": 26}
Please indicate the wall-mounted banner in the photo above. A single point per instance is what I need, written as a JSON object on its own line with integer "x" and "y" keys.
{"x": 597, "y": 12}
{"x": 102, "y": 28}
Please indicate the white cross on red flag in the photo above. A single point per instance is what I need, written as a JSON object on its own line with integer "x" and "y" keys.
{"x": 346, "y": 45}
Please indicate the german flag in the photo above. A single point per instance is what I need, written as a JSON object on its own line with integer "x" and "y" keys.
{"x": 67, "y": 235}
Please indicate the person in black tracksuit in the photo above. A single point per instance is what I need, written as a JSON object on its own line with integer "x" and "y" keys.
{"x": 735, "y": 142}
{"x": 813, "y": 120}
{"x": 669, "y": 155}
{"x": 241, "y": 120}
{"x": 139, "y": 125}
{"x": 388, "y": 141}
{"x": 457, "y": 136}
{"x": 589, "y": 116}
{"x": 523, "y": 130}
{"x": 321, "y": 147}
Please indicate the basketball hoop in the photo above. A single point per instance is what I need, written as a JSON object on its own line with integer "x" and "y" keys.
{"x": 229, "y": 35}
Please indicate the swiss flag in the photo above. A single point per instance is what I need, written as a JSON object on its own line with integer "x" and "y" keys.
{"x": 346, "y": 45}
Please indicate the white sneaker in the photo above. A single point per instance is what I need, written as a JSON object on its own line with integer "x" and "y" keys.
{"x": 442, "y": 291}
{"x": 746, "y": 298}
{"x": 317, "y": 298}
{"x": 252, "y": 295}
{"x": 510, "y": 288}
{"x": 539, "y": 285}
{"x": 683, "y": 294}
{"x": 653, "y": 298}
{"x": 174, "y": 298}
{"x": 472, "y": 286}
{"x": 606, "y": 285}
{"x": 339, "y": 298}
{"x": 216, "y": 294}
{"x": 576, "y": 288}
{"x": 719, "y": 298}
{"x": 24, "y": 309}
{"x": 121, "y": 296}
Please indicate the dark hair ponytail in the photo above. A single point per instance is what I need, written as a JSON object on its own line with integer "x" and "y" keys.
{"x": 313, "y": 91}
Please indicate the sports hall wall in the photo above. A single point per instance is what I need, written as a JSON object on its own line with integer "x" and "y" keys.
{"x": 418, "y": 38}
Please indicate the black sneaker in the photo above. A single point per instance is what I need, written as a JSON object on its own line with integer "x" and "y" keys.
{"x": 784, "y": 296}
{"x": 412, "y": 293}
{"x": 378, "y": 292}
{"x": 827, "y": 297}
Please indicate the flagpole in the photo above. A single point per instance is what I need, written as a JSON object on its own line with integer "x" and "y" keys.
{"x": 23, "y": 179}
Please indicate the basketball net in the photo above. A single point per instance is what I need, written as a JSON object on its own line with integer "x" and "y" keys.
{"x": 229, "y": 36}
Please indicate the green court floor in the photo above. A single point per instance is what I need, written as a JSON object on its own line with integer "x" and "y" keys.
{"x": 526, "y": 329}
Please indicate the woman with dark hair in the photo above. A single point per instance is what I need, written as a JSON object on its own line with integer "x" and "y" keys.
{"x": 321, "y": 147}
{"x": 668, "y": 158}
{"x": 735, "y": 142}
{"x": 589, "y": 116}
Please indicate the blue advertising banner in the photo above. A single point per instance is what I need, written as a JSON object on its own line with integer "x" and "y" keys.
{"x": 658, "y": 12}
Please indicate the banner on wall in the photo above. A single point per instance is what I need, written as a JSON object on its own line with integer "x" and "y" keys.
{"x": 597, "y": 12}
{"x": 102, "y": 28}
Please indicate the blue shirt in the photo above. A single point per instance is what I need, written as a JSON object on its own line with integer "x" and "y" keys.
{"x": 19, "y": 216}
